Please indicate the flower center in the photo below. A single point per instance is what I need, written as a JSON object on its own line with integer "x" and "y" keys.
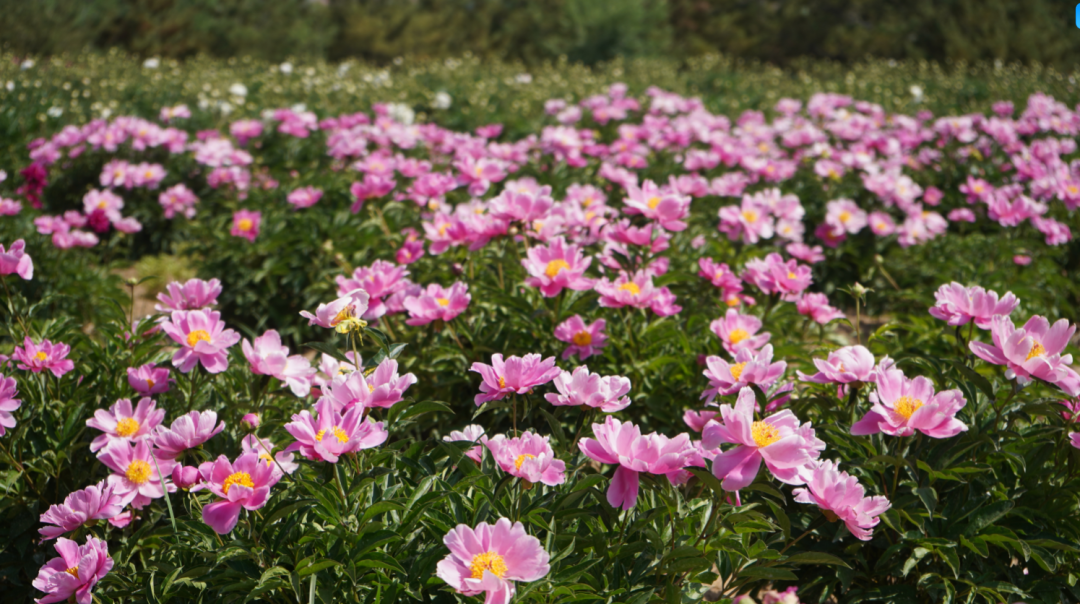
{"x": 521, "y": 459}
{"x": 343, "y": 315}
{"x": 582, "y": 338}
{"x": 653, "y": 202}
{"x": 738, "y": 335}
{"x": 442, "y": 301}
{"x": 489, "y": 561}
{"x": 764, "y": 434}
{"x": 102, "y": 205}
{"x": 337, "y": 432}
{"x": 40, "y": 357}
{"x": 138, "y": 471}
{"x": 749, "y": 216}
{"x": 631, "y": 287}
{"x": 149, "y": 384}
{"x": 266, "y": 456}
{"x": 245, "y": 224}
{"x": 906, "y": 406}
{"x": 126, "y": 427}
{"x": 736, "y": 370}
{"x": 845, "y": 216}
{"x": 502, "y": 382}
{"x": 199, "y": 335}
{"x": 241, "y": 478}
{"x": 73, "y": 571}
{"x": 1037, "y": 350}
{"x": 791, "y": 275}
{"x": 554, "y": 267}
{"x": 732, "y": 300}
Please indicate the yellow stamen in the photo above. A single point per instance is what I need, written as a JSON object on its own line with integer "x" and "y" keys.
{"x": 442, "y": 301}
{"x": 588, "y": 201}
{"x": 487, "y": 561}
{"x": 102, "y": 205}
{"x": 905, "y": 406}
{"x": 126, "y": 427}
{"x": 521, "y": 459}
{"x": 736, "y": 370}
{"x": 370, "y": 388}
{"x": 1037, "y": 350}
{"x": 266, "y": 456}
{"x": 845, "y": 216}
{"x": 750, "y": 216}
{"x": 738, "y": 335}
{"x": 337, "y": 432}
{"x": 764, "y": 434}
{"x": 555, "y": 266}
{"x": 502, "y": 382}
{"x": 199, "y": 335}
{"x": 653, "y": 202}
{"x": 732, "y": 300}
{"x": 631, "y": 287}
{"x": 241, "y": 478}
{"x": 582, "y": 338}
{"x": 138, "y": 472}
{"x": 73, "y": 571}
{"x": 149, "y": 384}
{"x": 245, "y": 224}
{"x": 40, "y": 357}
{"x": 763, "y": 147}
{"x": 791, "y": 275}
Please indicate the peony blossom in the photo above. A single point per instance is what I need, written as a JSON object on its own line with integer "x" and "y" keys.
{"x": 778, "y": 440}
{"x": 528, "y": 457}
{"x": 136, "y": 468}
{"x": 343, "y": 314}
{"x": 841, "y": 497}
{"x": 382, "y": 388}
{"x": 623, "y": 445}
{"x": 1033, "y": 351}
{"x": 329, "y": 435}
{"x": 120, "y": 422}
{"x": 816, "y": 306}
{"x": 39, "y": 357}
{"x": 637, "y": 291}
{"x": 555, "y": 267}
{"x": 149, "y": 379}
{"x": 901, "y": 406}
{"x": 436, "y": 303}
{"x": 16, "y": 261}
{"x": 472, "y": 433}
{"x": 381, "y": 280}
{"x": 957, "y": 305}
{"x": 185, "y": 477}
{"x": 243, "y": 484}
{"x": 489, "y": 558}
{"x": 697, "y": 420}
{"x": 246, "y": 224}
{"x": 268, "y": 357}
{"x": 203, "y": 339}
{"x": 585, "y": 340}
{"x": 73, "y": 575}
{"x": 193, "y": 294}
{"x": 847, "y": 365}
{"x": 606, "y": 393}
{"x": 774, "y": 276}
{"x": 282, "y": 462}
{"x": 515, "y": 375}
{"x": 737, "y": 332}
{"x": 667, "y": 207}
{"x": 186, "y": 432}
{"x": 8, "y": 402}
{"x": 304, "y": 197}
{"x": 95, "y": 502}
{"x": 750, "y": 367}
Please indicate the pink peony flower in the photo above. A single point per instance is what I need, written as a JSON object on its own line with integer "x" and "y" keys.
{"x": 804, "y": 252}
{"x": 816, "y": 306}
{"x": 304, "y": 197}
{"x": 557, "y": 266}
{"x": 697, "y": 420}
{"x": 472, "y": 433}
{"x": 135, "y": 470}
{"x": 343, "y": 314}
{"x": 622, "y": 444}
{"x": 845, "y": 215}
{"x": 719, "y": 275}
{"x": 750, "y": 367}
{"x": 250, "y": 421}
{"x": 382, "y": 388}
{"x": 667, "y": 207}
{"x": 185, "y": 477}
{"x": 268, "y": 357}
{"x": 737, "y": 332}
{"x": 186, "y": 432}
{"x": 149, "y": 379}
{"x": 282, "y": 462}
{"x": 246, "y": 224}
{"x": 193, "y": 294}
{"x": 1074, "y": 439}
{"x": 75, "y": 572}
{"x": 380, "y": 280}
{"x": 203, "y": 339}
{"x": 178, "y": 199}
{"x": 606, "y": 393}
{"x": 1021, "y": 260}
{"x": 585, "y": 340}
{"x": 8, "y": 402}
{"x": 637, "y": 291}
{"x": 774, "y": 276}
{"x": 517, "y": 375}
{"x": 120, "y": 422}
{"x": 841, "y": 497}
{"x": 16, "y": 261}
{"x": 750, "y": 222}
{"x": 489, "y": 558}
{"x": 437, "y": 303}
{"x": 244, "y": 484}
{"x": 38, "y": 357}
{"x": 779, "y": 441}
{"x": 528, "y": 457}
{"x": 96, "y": 502}
{"x": 1033, "y": 351}
{"x": 847, "y": 365}
{"x": 901, "y": 406}
{"x": 881, "y": 224}
{"x": 330, "y": 435}
{"x": 956, "y": 305}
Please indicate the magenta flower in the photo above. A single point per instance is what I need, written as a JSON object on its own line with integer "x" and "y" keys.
{"x": 585, "y": 340}
{"x": 304, "y": 197}
{"x": 268, "y": 357}
{"x": 697, "y": 420}
{"x": 667, "y": 207}
{"x": 75, "y": 572}
{"x": 750, "y": 221}
{"x": 902, "y": 406}
{"x": 517, "y": 375}
{"x": 193, "y": 294}
{"x": 246, "y": 224}
{"x": 472, "y": 433}
{"x": 121, "y": 423}
{"x": 489, "y": 558}
{"x": 382, "y": 388}
{"x": 343, "y": 314}
{"x": 737, "y": 332}
{"x": 1033, "y": 351}
{"x": 283, "y": 462}
{"x": 750, "y": 367}
{"x": 185, "y": 477}
{"x": 244, "y": 484}
{"x": 779, "y": 441}
{"x": 135, "y": 470}
{"x": 178, "y": 199}
{"x": 622, "y": 444}
{"x": 186, "y": 432}
{"x": 804, "y": 252}
{"x": 719, "y": 274}
{"x": 606, "y": 393}
{"x": 330, "y": 435}
{"x": 528, "y": 457}
{"x": 1074, "y": 439}
{"x": 956, "y": 305}
{"x": 96, "y": 502}
{"x": 847, "y": 365}
{"x": 380, "y": 280}
{"x": 38, "y": 357}
{"x": 840, "y": 496}
{"x": 816, "y": 306}
{"x": 637, "y": 291}
{"x": 557, "y": 266}
{"x": 8, "y": 402}
{"x": 437, "y": 303}
{"x": 774, "y": 276}
{"x": 16, "y": 261}
{"x": 149, "y": 379}
{"x": 203, "y": 339}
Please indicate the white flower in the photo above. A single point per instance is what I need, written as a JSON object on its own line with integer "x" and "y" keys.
{"x": 238, "y": 89}
{"x": 3, "y": 175}
{"x": 916, "y": 91}
{"x": 225, "y": 108}
{"x": 344, "y": 68}
{"x": 442, "y": 100}
{"x": 152, "y": 63}
{"x": 523, "y": 78}
{"x": 401, "y": 113}
{"x": 27, "y": 64}
{"x": 10, "y": 86}
{"x": 55, "y": 111}
{"x": 299, "y": 108}
{"x": 285, "y": 68}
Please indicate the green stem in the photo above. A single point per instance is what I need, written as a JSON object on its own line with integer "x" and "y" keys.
{"x": 11, "y": 305}
{"x": 165, "y": 491}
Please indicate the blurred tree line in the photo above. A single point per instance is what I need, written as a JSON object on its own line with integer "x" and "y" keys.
{"x": 531, "y": 31}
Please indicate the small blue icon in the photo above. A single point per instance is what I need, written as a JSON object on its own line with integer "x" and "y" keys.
{"x": 1078, "y": 15}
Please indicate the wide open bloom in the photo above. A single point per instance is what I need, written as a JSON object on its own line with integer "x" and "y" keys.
{"x": 135, "y": 468}
{"x": 606, "y": 393}
{"x": 8, "y": 403}
{"x": 779, "y": 441}
{"x": 203, "y": 339}
{"x": 95, "y": 502}
{"x": 268, "y": 357}
{"x": 39, "y": 357}
{"x": 472, "y": 433}
{"x": 343, "y": 314}
{"x": 902, "y": 406}
{"x": 844, "y": 215}
{"x": 304, "y": 197}
{"x": 329, "y": 435}
{"x": 16, "y": 261}
{"x": 666, "y": 206}
{"x": 638, "y": 291}
{"x": 149, "y": 379}
{"x": 244, "y": 484}
{"x": 382, "y": 388}
{"x": 737, "y": 331}
{"x": 75, "y": 572}
{"x": 246, "y": 224}
{"x": 515, "y": 375}
{"x": 816, "y": 306}
{"x": 120, "y": 422}
{"x": 720, "y": 275}
{"x": 380, "y": 280}
{"x": 489, "y": 557}
{"x": 774, "y": 276}
{"x": 750, "y": 367}
{"x": 957, "y": 305}
{"x": 193, "y": 294}
{"x": 557, "y": 266}
{"x": 841, "y": 497}
{"x": 186, "y": 432}
{"x": 282, "y": 462}
{"x": 847, "y": 365}
{"x": 529, "y": 457}
{"x": 1033, "y": 351}
{"x": 437, "y": 303}
{"x": 585, "y": 340}
{"x": 623, "y": 445}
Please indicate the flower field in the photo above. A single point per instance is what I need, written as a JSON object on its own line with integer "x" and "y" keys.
{"x": 449, "y": 330}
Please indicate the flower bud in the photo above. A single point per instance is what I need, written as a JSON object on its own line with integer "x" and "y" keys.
{"x": 250, "y": 421}
{"x": 185, "y": 477}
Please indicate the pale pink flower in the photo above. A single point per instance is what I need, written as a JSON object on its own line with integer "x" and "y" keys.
{"x": 437, "y": 303}
{"x": 804, "y": 252}
{"x": 515, "y": 375}
{"x": 961, "y": 215}
{"x": 528, "y": 457}
{"x": 283, "y": 462}
{"x": 96, "y": 502}
{"x": 342, "y": 314}
{"x": 637, "y": 291}
{"x": 840, "y": 496}
{"x": 186, "y": 432}
{"x": 269, "y": 357}
{"x": 557, "y": 266}
{"x": 816, "y": 306}
{"x": 697, "y": 420}
{"x": 847, "y": 365}
{"x": 901, "y": 406}
{"x": 16, "y": 261}
{"x": 203, "y": 339}
{"x": 881, "y": 224}
{"x": 845, "y": 215}
{"x": 750, "y": 222}
{"x": 489, "y": 558}
{"x": 135, "y": 468}
{"x": 8, "y": 402}
{"x": 606, "y": 393}
{"x": 957, "y": 305}
{"x": 39, "y": 357}
{"x": 193, "y": 294}
{"x": 73, "y": 575}
{"x": 719, "y": 275}
{"x": 383, "y": 388}
{"x": 472, "y": 433}
{"x": 774, "y": 276}
{"x": 245, "y": 130}
{"x": 380, "y": 280}
{"x": 585, "y": 340}
{"x": 737, "y": 331}
{"x": 1021, "y": 260}
{"x": 149, "y": 379}
{"x": 330, "y": 435}
{"x": 750, "y": 367}
{"x": 246, "y": 224}
{"x": 661, "y": 204}
{"x": 1033, "y": 351}
{"x": 304, "y": 197}
{"x": 244, "y": 484}
{"x": 120, "y": 422}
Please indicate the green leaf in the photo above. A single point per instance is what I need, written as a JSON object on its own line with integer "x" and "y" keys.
{"x": 771, "y": 573}
{"x": 329, "y": 349}
{"x": 706, "y": 477}
{"x": 380, "y": 507}
{"x": 816, "y": 558}
{"x": 929, "y": 498}
{"x": 424, "y": 407}
{"x": 986, "y": 516}
{"x": 314, "y": 566}
{"x": 980, "y": 381}
{"x": 976, "y": 544}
